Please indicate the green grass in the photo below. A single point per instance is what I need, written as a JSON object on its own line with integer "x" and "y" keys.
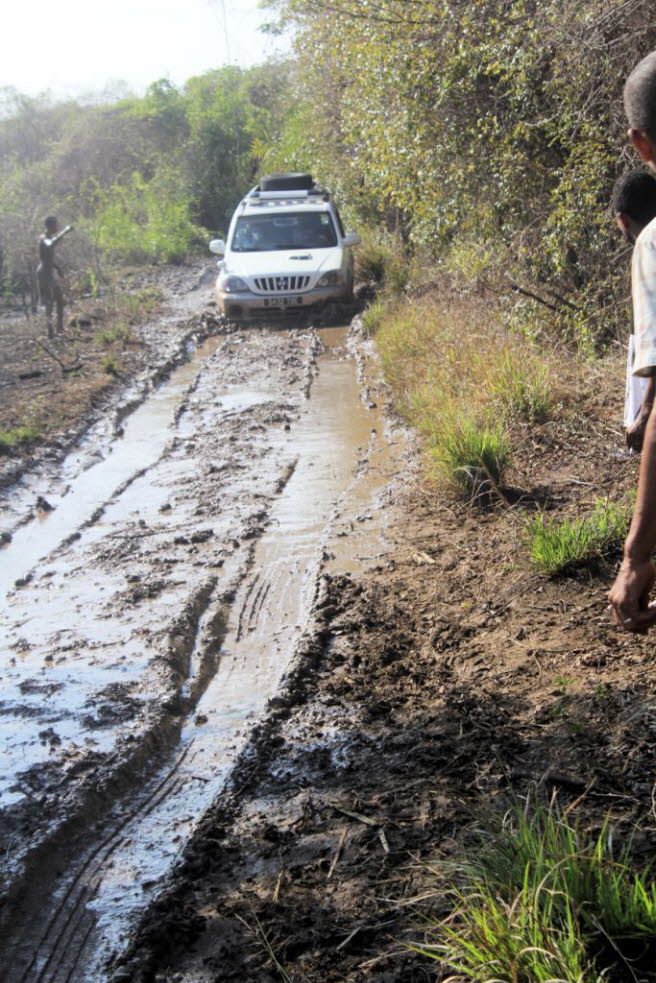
{"x": 520, "y": 384}
{"x": 110, "y": 365}
{"x": 12, "y": 440}
{"x": 559, "y": 546}
{"x": 468, "y": 455}
{"x": 542, "y": 900}
{"x": 372, "y": 316}
{"x": 115, "y": 332}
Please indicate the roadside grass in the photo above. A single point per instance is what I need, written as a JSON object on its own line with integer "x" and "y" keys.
{"x": 372, "y": 316}
{"x": 381, "y": 262}
{"x": 17, "y": 437}
{"x": 467, "y": 455}
{"x": 544, "y": 900}
{"x": 463, "y": 378}
{"x": 558, "y": 546}
{"x": 110, "y": 365}
{"x": 119, "y": 331}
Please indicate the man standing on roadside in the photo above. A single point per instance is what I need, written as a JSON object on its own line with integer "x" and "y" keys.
{"x": 629, "y": 595}
{"x": 48, "y": 273}
{"x": 634, "y": 206}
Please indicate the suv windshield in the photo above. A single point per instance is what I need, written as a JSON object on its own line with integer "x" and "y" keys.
{"x": 285, "y": 230}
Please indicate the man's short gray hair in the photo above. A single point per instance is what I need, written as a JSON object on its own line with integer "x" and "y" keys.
{"x": 640, "y": 96}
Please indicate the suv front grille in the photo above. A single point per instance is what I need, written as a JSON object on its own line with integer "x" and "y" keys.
{"x": 281, "y": 284}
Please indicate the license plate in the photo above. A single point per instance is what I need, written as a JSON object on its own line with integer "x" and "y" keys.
{"x": 283, "y": 301}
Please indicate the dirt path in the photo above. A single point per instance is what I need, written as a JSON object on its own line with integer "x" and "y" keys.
{"x": 153, "y": 612}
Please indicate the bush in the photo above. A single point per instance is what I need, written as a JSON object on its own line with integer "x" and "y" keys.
{"x": 12, "y": 440}
{"x": 558, "y": 546}
{"x": 545, "y": 901}
{"x": 382, "y": 263}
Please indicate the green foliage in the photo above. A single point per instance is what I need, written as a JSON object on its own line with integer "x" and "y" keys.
{"x": 145, "y": 221}
{"x": 542, "y": 900}
{"x": 558, "y": 546}
{"x": 140, "y": 178}
{"x": 12, "y": 440}
{"x": 488, "y": 133}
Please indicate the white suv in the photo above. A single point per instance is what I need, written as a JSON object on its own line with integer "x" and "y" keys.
{"x": 286, "y": 251}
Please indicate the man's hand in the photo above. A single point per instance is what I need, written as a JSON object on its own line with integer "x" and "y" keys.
{"x": 635, "y": 434}
{"x": 629, "y": 596}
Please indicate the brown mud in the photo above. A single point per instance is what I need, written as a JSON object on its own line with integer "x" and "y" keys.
{"x": 270, "y": 675}
{"x": 431, "y": 686}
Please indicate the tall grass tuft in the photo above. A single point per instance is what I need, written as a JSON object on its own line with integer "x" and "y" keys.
{"x": 558, "y": 546}
{"x": 544, "y": 901}
{"x": 469, "y": 455}
{"x": 521, "y": 386}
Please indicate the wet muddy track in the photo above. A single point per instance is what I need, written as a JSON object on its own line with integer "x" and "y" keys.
{"x": 153, "y": 613}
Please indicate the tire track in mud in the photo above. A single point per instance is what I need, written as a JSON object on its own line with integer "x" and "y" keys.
{"x": 69, "y": 938}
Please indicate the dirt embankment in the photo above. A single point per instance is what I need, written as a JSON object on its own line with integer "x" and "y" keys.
{"x": 444, "y": 677}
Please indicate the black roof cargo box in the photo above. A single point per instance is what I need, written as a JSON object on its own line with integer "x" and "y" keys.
{"x": 286, "y": 182}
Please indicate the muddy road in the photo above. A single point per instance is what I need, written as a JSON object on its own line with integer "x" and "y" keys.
{"x": 157, "y": 591}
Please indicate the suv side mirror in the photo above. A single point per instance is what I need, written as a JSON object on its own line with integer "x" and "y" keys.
{"x": 217, "y": 246}
{"x": 352, "y": 239}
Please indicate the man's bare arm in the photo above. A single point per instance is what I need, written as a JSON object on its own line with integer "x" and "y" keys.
{"x": 629, "y": 595}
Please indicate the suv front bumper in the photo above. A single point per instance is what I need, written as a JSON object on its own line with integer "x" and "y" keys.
{"x": 245, "y": 304}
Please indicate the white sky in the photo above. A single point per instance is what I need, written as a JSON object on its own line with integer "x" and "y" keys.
{"x": 74, "y": 47}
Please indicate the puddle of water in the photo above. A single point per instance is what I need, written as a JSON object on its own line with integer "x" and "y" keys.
{"x": 146, "y": 433}
{"x": 266, "y": 623}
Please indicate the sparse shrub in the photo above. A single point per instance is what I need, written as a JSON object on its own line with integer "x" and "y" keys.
{"x": 558, "y": 546}
{"x": 119, "y": 331}
{"x": 543, "y": 899}
{"x": 17, "y": 437}
{"x": 110, "y": 365}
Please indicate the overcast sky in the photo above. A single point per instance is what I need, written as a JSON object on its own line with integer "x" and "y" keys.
{"x": 74, "y": 47}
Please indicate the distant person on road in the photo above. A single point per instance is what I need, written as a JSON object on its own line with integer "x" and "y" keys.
{"x": 629, "y": 595}
{"x": 634, "y": 206}
{"x": 48, "y": 273}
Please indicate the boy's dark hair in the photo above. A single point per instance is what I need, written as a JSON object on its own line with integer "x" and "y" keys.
{"x": 640, "y": 96}
{"x": 50, "y": 221}
{"x": 634, "y": 194}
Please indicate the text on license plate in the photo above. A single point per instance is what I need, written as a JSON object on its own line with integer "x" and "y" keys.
{"x": 283, "y": 301}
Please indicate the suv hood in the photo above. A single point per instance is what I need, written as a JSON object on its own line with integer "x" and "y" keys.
{"x": 284, "y": 261}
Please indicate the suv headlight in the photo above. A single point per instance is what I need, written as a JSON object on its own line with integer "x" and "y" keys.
{"x": 330, "y": 279}
{"x": 232, "y": 284}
